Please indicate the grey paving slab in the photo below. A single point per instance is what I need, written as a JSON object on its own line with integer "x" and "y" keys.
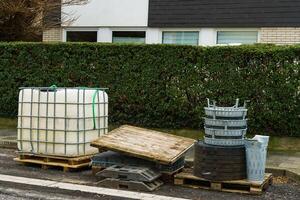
{"x": 289, "y": 165}
{"x": 8, "y": 132}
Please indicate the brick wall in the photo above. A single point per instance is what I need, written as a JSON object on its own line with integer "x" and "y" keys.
{"x": 52, "y": 35}
{"x": 280, "y": 35}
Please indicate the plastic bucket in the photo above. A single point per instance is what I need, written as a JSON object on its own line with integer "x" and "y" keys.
{"x": 256, "y": 154}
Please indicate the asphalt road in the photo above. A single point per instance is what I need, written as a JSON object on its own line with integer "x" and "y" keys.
{"x": 10, "y": 193}
{"x": 286, "y": 190}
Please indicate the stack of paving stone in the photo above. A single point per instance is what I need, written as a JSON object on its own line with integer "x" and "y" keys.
{"x": 222, "y": 156}
{"x": 130, "y": 177}
{"x": 136, "y": 157}
{"x": 127, "y": 172}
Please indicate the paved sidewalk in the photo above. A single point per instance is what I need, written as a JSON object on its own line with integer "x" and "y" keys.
{"x": 8, "y": 132}
{"x": 284, "y": 160}
{"x": 290, "y": 162}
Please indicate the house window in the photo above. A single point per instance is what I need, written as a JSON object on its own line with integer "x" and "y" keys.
{"x": 81, "y": 36}
{"x": 182, "y": 37}
{"x": 137, "y": 37}
{"x": 237, "y": 37}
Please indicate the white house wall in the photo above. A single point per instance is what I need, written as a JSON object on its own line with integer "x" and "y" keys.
{"x": 109, "y": 13}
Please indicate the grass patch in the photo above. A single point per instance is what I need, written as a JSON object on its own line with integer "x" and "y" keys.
{"x": 8, "y": 123}
{"x": 284, "y": 144}
{"x": 288, "y": 144}
{"x": 190, "y": 133}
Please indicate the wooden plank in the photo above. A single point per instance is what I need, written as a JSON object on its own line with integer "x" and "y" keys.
{"x": 66, "y": 160}
{"x": 143, "y": 143}
{"x": 255, "y": 190}
{"x": 178, "y": 181}
{"x": 57, "y": 164}
{"x": 216, "y": 186}
{"x": 77, "y": 158}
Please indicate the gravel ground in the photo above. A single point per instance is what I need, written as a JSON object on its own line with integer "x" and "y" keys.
{"x": 281, "y": 189}
{"x": 10, "y": 197}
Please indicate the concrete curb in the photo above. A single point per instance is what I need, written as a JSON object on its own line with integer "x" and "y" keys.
{"x": 38, "y": 184}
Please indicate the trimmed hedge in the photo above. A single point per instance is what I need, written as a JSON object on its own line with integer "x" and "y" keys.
{"x": 164, "y": 85}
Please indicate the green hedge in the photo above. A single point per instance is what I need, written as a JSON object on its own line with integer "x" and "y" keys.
{"x": 164, "y": 85}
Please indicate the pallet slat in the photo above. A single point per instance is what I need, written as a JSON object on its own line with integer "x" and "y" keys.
{"x": 51, "y": 161}
{"x": 187, "y": 179}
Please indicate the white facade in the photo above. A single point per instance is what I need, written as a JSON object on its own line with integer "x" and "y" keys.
{"x": 109, "y": 16}
{"x": 109, "y": 13}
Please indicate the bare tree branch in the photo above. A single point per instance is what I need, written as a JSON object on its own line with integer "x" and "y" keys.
{"x": 25, "y": 20}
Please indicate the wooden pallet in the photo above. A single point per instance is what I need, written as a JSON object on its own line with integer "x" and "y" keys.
{"x": 45, "y": 161}
{"x": 187, "y": 179}
{"x": 144, "y": 143}
{"x": 169, "y": 177}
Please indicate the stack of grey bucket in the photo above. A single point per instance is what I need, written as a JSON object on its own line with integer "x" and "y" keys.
{"x": 225, "y": 126}
{"x": 221, "y": 156}
{"x": 126, "y": 172}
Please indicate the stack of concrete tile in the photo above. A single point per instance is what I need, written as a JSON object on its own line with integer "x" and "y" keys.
{"x": 130, "y": 177}
{"x": 110, "y": 158}
{"x": 136, "y": 158}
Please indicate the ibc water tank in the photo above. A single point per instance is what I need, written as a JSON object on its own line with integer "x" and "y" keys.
{"x": 61, "y": 121}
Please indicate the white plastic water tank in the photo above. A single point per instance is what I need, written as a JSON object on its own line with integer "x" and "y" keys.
{"x": 61, "y": 121}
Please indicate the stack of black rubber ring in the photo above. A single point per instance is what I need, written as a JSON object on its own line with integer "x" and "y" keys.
{"x": 221, "y": 162}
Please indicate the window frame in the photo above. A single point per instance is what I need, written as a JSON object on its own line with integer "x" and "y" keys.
{"x": 142, "y": 31}
{"x": 182, "y": 30}
{"x": 162, "y": 30}
{"x": 66, "y": 30}
{"x": 236, "y": 30}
